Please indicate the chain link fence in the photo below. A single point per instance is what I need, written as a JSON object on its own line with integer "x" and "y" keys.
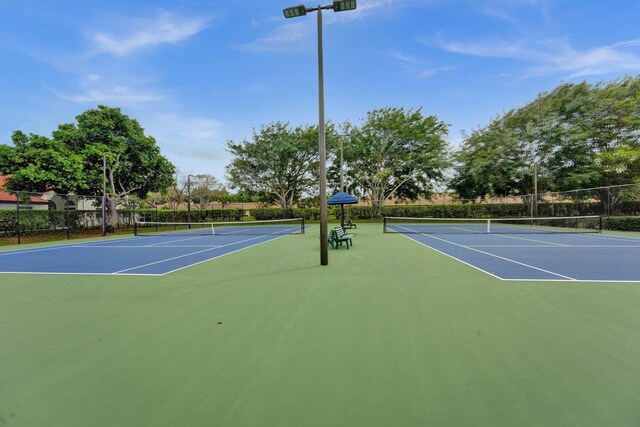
{"x": 29, "y": 217}
{"x": 615, "y": 200}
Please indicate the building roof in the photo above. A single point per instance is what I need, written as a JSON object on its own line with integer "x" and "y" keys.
{"x": 6, "y": 197}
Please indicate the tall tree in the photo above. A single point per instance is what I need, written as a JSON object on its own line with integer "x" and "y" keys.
{"x": 204, "y": 190}
{"x": 580, "y": 135}
{"x": 279, "y": 162}
{"x": 38, "y": 164}
{"x": 396, "y": 152}
{"x": 72, "y": 160}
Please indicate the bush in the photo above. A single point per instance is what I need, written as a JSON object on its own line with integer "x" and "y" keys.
{"x": 278, "y": 213}
{"x": 621, "y": 223}
{"x": 197, "y": 215}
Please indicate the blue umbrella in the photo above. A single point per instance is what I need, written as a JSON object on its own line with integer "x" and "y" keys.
{"x": 341, "y": 198}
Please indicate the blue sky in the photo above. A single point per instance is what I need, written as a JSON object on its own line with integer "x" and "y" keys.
{"x": 198, "y": 73}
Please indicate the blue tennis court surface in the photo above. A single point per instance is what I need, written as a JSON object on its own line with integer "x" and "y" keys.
{"x": 549, "y": 257}
{"x": 149, "y": 255}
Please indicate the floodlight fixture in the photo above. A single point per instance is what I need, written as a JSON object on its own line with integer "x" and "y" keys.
{"x": 294, "y": 12}
{"x": 343, "y": 5}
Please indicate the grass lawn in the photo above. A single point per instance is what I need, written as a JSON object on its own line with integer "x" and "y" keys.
{"x": 389, "y": 334}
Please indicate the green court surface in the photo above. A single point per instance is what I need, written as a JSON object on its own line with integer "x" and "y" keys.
{"x": 391, "y": 333}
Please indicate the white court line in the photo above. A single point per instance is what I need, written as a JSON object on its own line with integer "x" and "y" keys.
{"x": 79, "y": 274}
{"x": 176, "y": 240}
{"x": 557, "y": 247}
{"x": 189, "y": 254}
{"x": 511, "y": 237}
{"x": 531, "y": 240}
{"x": 602, "y": 236}
{"x": 451, "y": 256}
{"x": 577, "y": 280}
{"x": 65, "y": 246}
{"x": 151, "y": 247}
{"x": 492, "y": 255}
{"x": 221, "y": 255}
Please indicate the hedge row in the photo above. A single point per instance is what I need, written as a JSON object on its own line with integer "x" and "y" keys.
{"x": 621, "y": 223}
{"x": 34, "y": 222}
{"x": 183, "y": 215}
{"x": 39, "y": 222}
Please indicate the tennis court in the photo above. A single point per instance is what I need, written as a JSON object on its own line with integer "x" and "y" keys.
{"x": 538, "y": 249}
{"x": 391, "y": 333}
{"x": 158, "y": 249}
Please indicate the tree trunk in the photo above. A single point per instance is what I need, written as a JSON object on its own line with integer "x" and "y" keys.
{"x": 112, "y": 214}
{"x": 376, "y": 208}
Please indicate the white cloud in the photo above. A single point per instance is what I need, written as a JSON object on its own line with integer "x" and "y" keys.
{"x": 257, "y": 87}
{"x": 402, "y": 57}
{"x": 97, "y": 89}
{"x": 370, "y": 6}
{"x": 416, "y": 65}
{"x": 145, "y": 33}
{"x": 506, "y": 10}
{"x": 430, "y": 72}
{"x": 552, "y": 56}
{"x": 193, "y": 143}
{"x": 296, "y": 34}
{"x": 287, "y": 37}
{"x": 182, "y": 132}
{"x": 123, "y": 95}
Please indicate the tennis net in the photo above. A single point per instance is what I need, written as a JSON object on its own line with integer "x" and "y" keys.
{"x": 267, "y": 227}
{"x": 545, "y": 225}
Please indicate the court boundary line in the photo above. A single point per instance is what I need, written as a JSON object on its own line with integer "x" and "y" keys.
{"x": 556, "y": 247}
{"x": 497, "y": 256}
{"x": 451, "y": 256}
{"x": 79, "y": 274}
{"x": 504, "y": 258}
{"x": 576, "y": 280}
{"x": 192, "y": 253}
{"x": 503, "y": 279}
{"x": 63, "y": 246}
{"x": 272, "y": 237}
{"x": 221, "y": 255}
{"x": 567, "y": 278}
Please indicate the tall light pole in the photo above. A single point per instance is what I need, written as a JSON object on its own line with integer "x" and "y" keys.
{"x": 535, "y": 189}
{"x": 189, "y": 200}
{"x": 343, "y": 186}
{"x": 341, "y": 167}
{"x": 104, "y": 194}
{"x": 294, "y": 12}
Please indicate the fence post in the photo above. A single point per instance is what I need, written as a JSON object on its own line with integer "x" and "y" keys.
{"x": 18, "y": 215}
{"x": 66, "y": 215}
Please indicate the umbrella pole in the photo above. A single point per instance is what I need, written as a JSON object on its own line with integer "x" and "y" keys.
{"x": 342, "y": 215}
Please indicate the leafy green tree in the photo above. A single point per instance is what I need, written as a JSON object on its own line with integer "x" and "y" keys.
{"x": 490, "y": 163}
{"x": 396, "y": 152}
{"x": 279, "y": 162}
{"x": 72, "y": 160}
{"x": 580, "y": 135}
{"x": 176, "y": 193}
{"x": 39, "y": 164}
{"x": 204, "y": 190}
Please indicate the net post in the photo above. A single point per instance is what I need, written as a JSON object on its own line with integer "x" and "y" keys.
{"x": 135, "y": 228}
{"x": 213, "y": 230}
{"x": 600, "y": 224}
{"x": 488, "y": 226}
{"x": 384, "y": 224}
{"x": 302, "y": 225}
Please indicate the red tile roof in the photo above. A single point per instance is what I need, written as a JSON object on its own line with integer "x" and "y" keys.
{"x": 8, "y": 197}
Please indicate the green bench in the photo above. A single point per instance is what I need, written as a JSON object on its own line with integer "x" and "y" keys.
{"x": 337, "y": 236}
{"x": 349, "y": 224}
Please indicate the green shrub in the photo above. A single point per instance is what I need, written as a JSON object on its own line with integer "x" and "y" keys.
{"x": 621, "y": 223}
